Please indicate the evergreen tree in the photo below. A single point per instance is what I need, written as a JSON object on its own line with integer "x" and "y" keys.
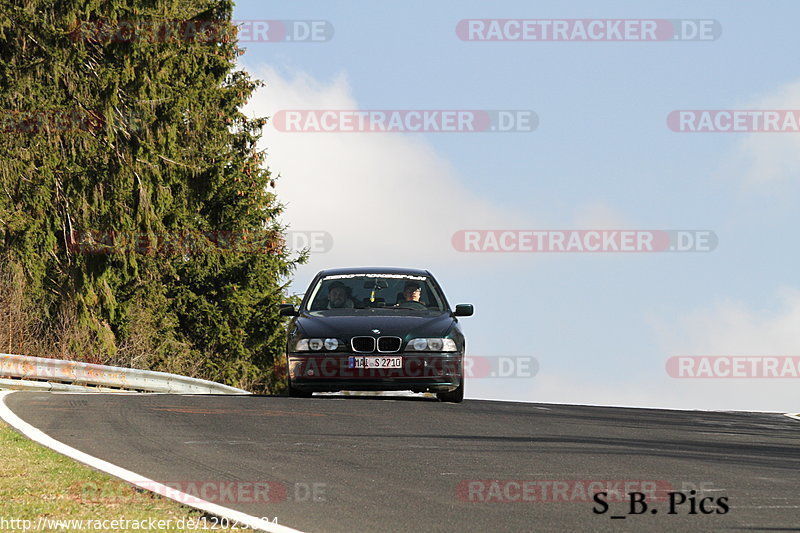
{"x": 122, "y": 146}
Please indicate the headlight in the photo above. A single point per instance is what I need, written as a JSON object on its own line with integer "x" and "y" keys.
{"x": 418, "y": 344}
{"x": 331, "y": 344}
{"x": 315, "y": 344}
{"x": 301, "y": 345}
{"x": 435, "y": 344}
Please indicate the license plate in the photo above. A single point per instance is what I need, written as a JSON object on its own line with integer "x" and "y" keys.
{"x": 375, "y": 362}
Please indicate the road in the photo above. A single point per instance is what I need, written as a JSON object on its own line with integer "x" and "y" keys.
{"x": 345, "y": 464}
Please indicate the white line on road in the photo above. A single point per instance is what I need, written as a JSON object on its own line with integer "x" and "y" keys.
{"x": 132, "y": 477}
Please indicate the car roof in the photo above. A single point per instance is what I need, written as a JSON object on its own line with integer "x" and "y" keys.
{"x": 374, "y": 270}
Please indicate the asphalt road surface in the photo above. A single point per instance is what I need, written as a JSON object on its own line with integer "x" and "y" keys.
{"x": 413, "y": 464}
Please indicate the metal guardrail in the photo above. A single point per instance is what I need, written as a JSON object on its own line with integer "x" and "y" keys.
{"x": 38, "y": 373}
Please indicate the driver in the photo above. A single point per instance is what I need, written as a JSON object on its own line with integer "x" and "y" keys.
{"x": 338, "y": 296}
{"x": 412, "y": 291}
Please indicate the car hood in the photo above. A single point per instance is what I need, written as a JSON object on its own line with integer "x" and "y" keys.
{"x": 346, "y": 326}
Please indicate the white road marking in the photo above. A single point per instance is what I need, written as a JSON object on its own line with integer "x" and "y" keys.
{"x": 132, "y": 477}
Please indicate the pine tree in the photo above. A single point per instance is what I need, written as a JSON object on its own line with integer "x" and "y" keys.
{"x": 123, "y": 145}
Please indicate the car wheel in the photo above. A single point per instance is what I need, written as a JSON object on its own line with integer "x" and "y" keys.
{"x": 455, "y": 396}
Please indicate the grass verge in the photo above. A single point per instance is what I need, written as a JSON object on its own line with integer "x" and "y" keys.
{"x": 38, "y": 484}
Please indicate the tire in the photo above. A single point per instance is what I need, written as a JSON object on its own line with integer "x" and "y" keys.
{"x": 456, "y": 396}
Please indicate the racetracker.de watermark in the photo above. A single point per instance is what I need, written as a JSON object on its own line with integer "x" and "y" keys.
{"x": 500, "y": 366}
{"x": 57, "y": 120}
{"x": 734, "y": 121}
{"x": 32, "y": 121}
{"x": 405, "y": 120}
{"x": 556, "y": 490}
{"x": 221, "y": 492}
{"x": 193, "y": 491}
{"x": 413, "y": 366}
{"x": 202, "y": 31}
{"x": 103, "y": 242}
{"x": 734, "y": 366}
{"x": 590, "y": 241}
{"x": 588, "y": 30}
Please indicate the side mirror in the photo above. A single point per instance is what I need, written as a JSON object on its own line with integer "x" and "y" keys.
{"x": 464, "y": 310}
{"x": 288, "y": 310}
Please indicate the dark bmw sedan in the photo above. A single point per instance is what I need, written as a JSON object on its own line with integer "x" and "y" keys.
{"x": 376, "y": 329}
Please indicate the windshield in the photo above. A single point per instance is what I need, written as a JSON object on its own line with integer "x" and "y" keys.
{"x": 364, "y": 291}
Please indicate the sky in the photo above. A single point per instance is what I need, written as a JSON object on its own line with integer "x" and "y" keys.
{"x": 596, "y": 154}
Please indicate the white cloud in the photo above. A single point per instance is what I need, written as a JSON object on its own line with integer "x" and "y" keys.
{"x": 387, "y": 199}
{"x": 730, "y": 328}
{"x": 770, "y": 158}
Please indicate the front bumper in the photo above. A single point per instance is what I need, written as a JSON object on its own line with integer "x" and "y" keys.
{"x": 330, "y": 372}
